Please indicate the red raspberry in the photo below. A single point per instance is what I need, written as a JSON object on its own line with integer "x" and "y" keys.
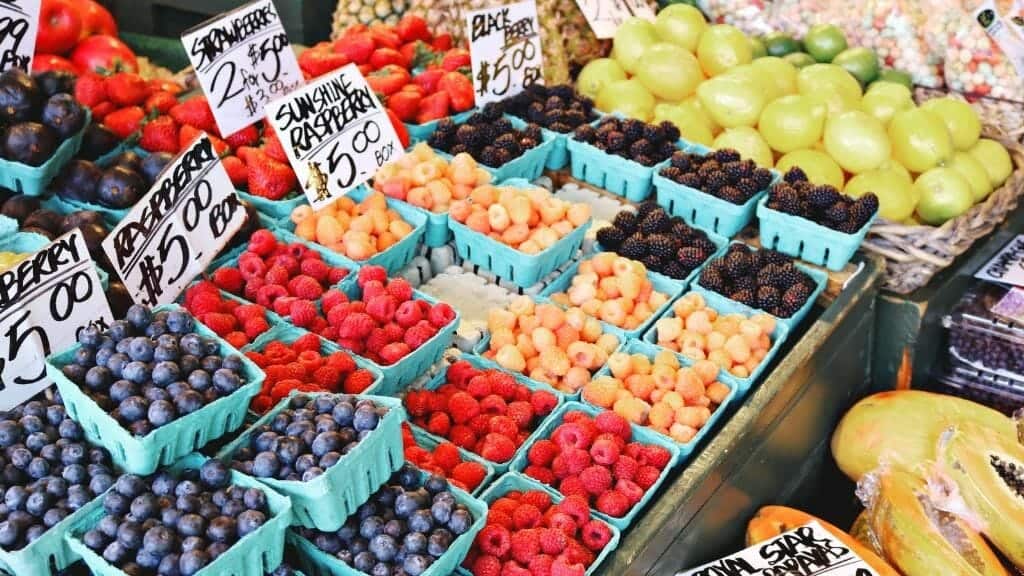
{"x": 394, "y": 352}
{"x": 493, "y": 404}
{"x": 303, "y": 286}
{"x": 342, "y": 362}
{"x": 377, "y": 340}
{"x": 337, "y": 274}
{"x": 503, "y": 384}
{"x": 478, "y": 386}
{"x": 372, "y": 289}
{"x": 332, "y": 298}
{"x": 543, "y": 402}
{"x": 408, "y": 314}
{"x": 327, "y": 377}
{"x": 297, "y": 250}
{"x": 511, "y": 568}
{"x": 609, "y": 421}
{"x": 480, "y": 424}
{"x": 287, "y": 262}
{"x": 237, "y": 339}
{"x": 417, "y": 336}
{"x": 630, "y": 489}
{"x": 500, "y": 518}
{"x": 537, "y": 498}
{"x": 646, "y": 476}
{"x": 400, "y": 289}
{"x": 463, "y": 437}
{"x": 541, "y": 474}
{"x": 577, "y": 508}
{"x": 358, "y": 381}
{"x": 261, "y": 404}
{"x": 494, "y": 540}
{"x": 561, "y": 567}
{"x": 446, "y": 455}
{"x": 356, "y": 326}
{"x": 625, "y": 468}
{"x": 306, "y": 342}
{"x": 417, "y": 402}
{"x": 369, "y": 273}
{"x": 596, "y": 535}
{"x": 469, "y": 474}
{"x": 257, "y": 357}
{"x": 497, "y": 448}
{"x": 521, "y": 413}
{"x": 461, "y": 372}
{"x": 283, "y": 305}
{"x": 596, "y": 479}
{"x": 245, "y": 311}
{"x": 565, "y": 523}
{"x": 262, "y": 242}
{"x": 229, "y": 279}
{"x": 221, "y": 324}
{"x": 507, "y": 504}
{"x": 526, "y": 516}
{"x": 439, "y": 424}
{"x": 296, "y": 370}
{"x": 572, "y": 434}
{"x": 338, "y": 314}
{"x": 577, "y": 553}
{"x": 552, "y": 541}
{"x": 573, "y": 486}
{"x": 604, "y": 451}
{"x": 394, "y": 332}
{"x": 310, "y": 360}
{"x": 635, "y": 450}
{"x": 486, "y": 565}
{"x": 505, "y": 426}
{"x": 316, "y": 269}
{"x": 463, "y": 407}
{"x": 575, "y": 459}
{"x": 302, "y": 313}
{"x": 252, "y": 287}
{"x": 204, "y": 303}
{"x": 269, "y": 293}
{"x": 525, "y": 544}
{"x": 352, "y": 345}
{"x": 277, "y": 275}
{"x": 540, "y": 565}
{"x": 381, "y": 308}
{"x": 613, "y": 503}
{"x": 251, "y": 266}
{"x": 657, "y": 456}
{"x": 542, "y": 452}
{"x": 441, "y": 315}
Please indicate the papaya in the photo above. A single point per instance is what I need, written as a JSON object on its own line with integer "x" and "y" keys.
{"x": 903, "y": 426}
{"x": 987, "y": 472}
{"x": 770, "y": 521}
{"x": 915, "y": 536}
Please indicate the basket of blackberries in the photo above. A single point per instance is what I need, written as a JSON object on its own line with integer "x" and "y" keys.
{"x": 765, "y": 280}
{"x": 154, "y": 386}
{"x": 621, "y": 155}
{"x": 42, "y": 126}
{"x": 665, "y": 244}
{"x": 507, "y": 146}
{"x": 196, "y": 517}
{"x": 558, "y": 110}
{"x": 50, "y": 476}
{"x": 327, "y": 452}
{"x": 717, "y": 190}
{"x": 816, "y": 223}
{"x": 416, "y": 524}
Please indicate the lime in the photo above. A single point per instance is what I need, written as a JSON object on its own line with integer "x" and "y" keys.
{"x": 896, "y": 76}
{"x": 824, "y": 42}
{"x": 779, "y": 44}
{"x": 757, "y": 48}
{"x": 799, "y": 59}
{"x": 861, "y": 62}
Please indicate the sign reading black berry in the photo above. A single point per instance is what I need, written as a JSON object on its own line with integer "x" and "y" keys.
{"x": 504, "y": 47}
{"x": 335, "y": 133}
{"x": 177, "y": 228}
{"x": 19, "y": 23}
{"x": 243, "y": 60}
{"x": 45, "y": 300}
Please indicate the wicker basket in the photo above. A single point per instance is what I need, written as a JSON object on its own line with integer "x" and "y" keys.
{"x": 914, "y": 254}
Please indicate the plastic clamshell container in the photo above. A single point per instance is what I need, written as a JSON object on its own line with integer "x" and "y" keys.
{"x": 701, "y": 209}
{"x": 166, "y": 444}
{"x": 529, "y": 166}
{"x": 640, "y": 434}
{"x": 316, "y": 562}
{"x": 726, "y": 306}
{"x": 481, "y": 364}
{"x": 327, "y": 500}
{"x": 289, "y": 333}
{"x": 430, "y": 442}
{"x": 1000, "y": 392}
{"x": 806, "y": 239}
{"x": 258, "y": 553}
{"x": 421, "y": 132}
{"x": 515, "y": 482}
{"x": 33, "y": 180}
{"x": 983, "y": 338}
{"x": 661, "y": 283}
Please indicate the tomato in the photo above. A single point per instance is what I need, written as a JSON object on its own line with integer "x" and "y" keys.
{"x": 96, "y": 19}
{"x": 104, "y": 52}
{"x": 44, "y": 62}
{"x": 60, "y": 23}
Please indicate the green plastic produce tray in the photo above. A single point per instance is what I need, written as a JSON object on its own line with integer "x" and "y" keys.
{"x": 806, "y": 239}
{"x": 33, "y": 180}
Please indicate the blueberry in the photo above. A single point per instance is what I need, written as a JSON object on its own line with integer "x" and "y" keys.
{"x": 53, "y": 516}
{"x": 130, "y": 534}
{"x": 21, "y": 457}
{"x": 38, "y": 502}
{"x": 281, "y": 421}
{"x": 381, "y": 569}
{"x": 165, "y": 372}
{"x": 154, "y": 394}
{"x": 249, "y": 521}
{"x": 383, "y": 547}
{"x": 441, "y": 511}
{"x": 140, "y": 428}
{"x": 74, "y": 373}
{"x": 192, "y": 344}
{"x": 116, "y": 364}
{"x": 211, "y": 347}
{"x": 78, "y": 496}
{"x": 460, "y": 522}
{"x": 364, "y": 561}
{"x": 119, "y": 330}
{"x": 70, "y": 430}
{"x": 180, "y": 322}
{"x": 115, "y": 552}
{"x": 312, "y": 474}
{"x": 193, "y": 543}
{"x": 193, "y": 561}
{"x": 141, "y": 349}
{"x": 170, "y": 515}
{"x": 188, "y": 402}
{"x": 324, "y": 404}
{"x": 55, "y": 414}
{"x": 95, "y": 540}
{"x": 233, "y": 362}
{"x": 90, "y": 337}
{"x": 216, "y": 549}
{"x": 100, "y": 483}
{"x": 38, "y": 468}
{"x": 297, "y": 428}
{"x": 133, "y": 408}
{"x": 139, "y": 317}
{"x": 200, "y": 380}
{"x": 231, "y": 508}
{"x": 408, "y": 477}
{"x": 371, "y": 526}
{"x": 50, "y": 453}
{"x": 137, "y": 372}
{"x": 406, "y": 504}
{"x": 99, "y": 456}
{"x": 85, "y": 357}
{"x": 188, "y": 487}
{"x": 304, "y": 462}
{"x": 73, "y": 454}
{"x": 266, "y": 465}
{"x": 57, "y": 487}
{"x": 226, "y": 381}
{"x": 415, "y": 543}
{"x": 345, "y": 556}
{"x": 159, "y": 540}
{"x": 421, "y": 521}
{"x": 416, "y": 564}
{"x": 143, "y": 507}
{"x": 130, "y": 485}
{"x": 439, "y": 542}
{"x": 188, "y": 363}
{"x": 288, "y": 449}
{"x": 12, "y": 475}
{"x": 222, "y": 529}
{"x": 329, "y": 459}
{"x": 108, "y": 525}
{"x": 161, "y": 413}
{"x": 169, "y": 566}
{"x": 15, "y": 497}
{"x": 31, "y": 423}
{"x": 326, "y": 442}
{"x": 254, "y": 499}
{"x": 211, "y": 363}
{"x": 147, "y": 560}
{"x": 215, "y": 474}
{"x": 348, "y": 530}
{"x": 435, "y": 484}
{"x": 10, "y": 533}
{"x": 326, "y": 423}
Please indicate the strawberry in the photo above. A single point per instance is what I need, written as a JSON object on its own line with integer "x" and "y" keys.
{"x": 160, "y": 135}
{"x": 417, "y": 53}
{"x": 411, "y": 28}
{"x": 405, "y": 104}
{"x": 428, "y": 79}
{"x": 272, "y": 146}
{"x": 459, "y": 89}
{"x": 269, "y": 178}
{"x": 356, "y": 47}
{"x": 91, "y": 90}
{"x": 127, "y": 89}
{"x": 100, "y": 111}
{"x": 442, "y": 42}
{"x": 248, "y": 136}
{"x": 124, "y": 122}
{"x": 219, "y": 146}
{"x": 400, "y": 129}
{"x": 388, "y": 80}
{"x": 158, "y": 85}
{"x": 236, "y": 170}
{"x": 195, "y": 112}
{"x": 162, "y": 102}
{"x": 433, "y": 107}
{"x": 381, "y": 57}
{"x": 317, "y": 62}
{"x": 455, "y": 59}
{"x": 384, "y": 37}
{"x": 186, "y": 135}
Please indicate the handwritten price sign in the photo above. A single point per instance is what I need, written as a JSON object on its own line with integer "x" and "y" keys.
{"x": 335, "y": 133}
{"x": 176, "y": 230}
{"x": 504, "y": 47}
{"x": 605, "y": 16}
{"x": 44, "y": 302}
{"x": 19, "y": 22}
{"x": 243, "y": 61}
{"x": 805, "y": 551}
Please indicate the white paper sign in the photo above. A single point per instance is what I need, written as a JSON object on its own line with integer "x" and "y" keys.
{"x": 243, "y": 61}
{"x": 335, "y": 133}
{"x": 45, "y": 301}
{"x": 604, "y": 16}
{"x": 1006, "y": 267}
{"x": 806, "y": 551}
{"x": 19, "y": 23}
{"x": 177, "y": 228}
{"x": 504, "y": 47}
{"x": 1009, "y": 40}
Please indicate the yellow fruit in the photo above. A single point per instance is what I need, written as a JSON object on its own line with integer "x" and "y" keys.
{"x": 722, "y": 47}
{"x": 731, "y": 101}
{"x": 778, "y": 72}
{"x": 597, "y": 74}
{"x": 996, "y": 160}
{"x": 896, "y": 197}
{"x": 748, "y": 142}
{"x": 920, "y": 140}
{"x": 681, "y": 25}
{"x": 670, "y": 72}
{"x": 943, "y": 194}
{"x": 690, "y": 130}
{"x": 961, "y": 120}
{"x": 632, "y": 38}
{"x": 832, "y": 84}
{"x": 974, "y": 172}
{"x": 884, "y": 99}
{"x": 856, "y": 141}
{"x": 819, "y": 166}
{"x": 627, "y": 97}
{"x": 792, "y": 122}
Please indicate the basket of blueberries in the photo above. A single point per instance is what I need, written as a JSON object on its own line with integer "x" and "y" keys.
{"x": 154, "y": 387}
{"x": 327, "y": 452}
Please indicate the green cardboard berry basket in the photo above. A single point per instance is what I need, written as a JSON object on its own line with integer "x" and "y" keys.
{"x": 640, "y": 434}
{"x": 316, "y": 562}
{"x": 258, "y": 553}
{"x": 806, "y": 239}
{"x": 479, "y": 363}
{"x": 515, "y": 482}
{"x": 529, "y": 166}
{"x": 726, "y": 306}
{"x": 430, "y": 442}
{"x": 288, "y": 334}
{"x": 721, "y": 242}
{"x": 273, "y": 319}
{"x": 166, "y": 444}
{"x": 687, "y": 450}
{"x": 33, "y": 180}
{"x": 422, "y": 132}
{"x": 327, "y": 500}
{"x": 48, "y": 554}
{"x": 437, "y": 233}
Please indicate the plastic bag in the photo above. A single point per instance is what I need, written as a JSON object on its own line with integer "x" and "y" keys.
{"x": 751, "y": 16}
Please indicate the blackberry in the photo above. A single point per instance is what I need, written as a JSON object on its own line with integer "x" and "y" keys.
{"x": 672, "y": 173}
{"x": 850, "y": 226}
{"x": 502, "y": 125}
{"x": 585, "y": 133}
{"x": 551, "y": 117}
{"x": 745, "y": 282}
{"x": 748, "y": 187}
{"x": 492, "y": 112}
{"x": 554, "y": 103}
{"x": 681, "y": 160}
{"x": 675, "y": 270}
{"x": 708, "y": 169}
{"x": 864, "y": 208}
{"x": 671, "y": 131}
{"x": 625, "y": 221}
{"x": 575, "y": 117}
{"x": 789, "y": 276}
{"x": 768, "y": 297}
{"x": 646, "y": 207}
{"x": 654, "y": 132}
{"x": 633, "y": 248}
{"x": 792, "y": 300}
{"x": 535, "y": 113}
{"x": 769, "y": 256}
{"x": 508, "y": 142}
{"x": 564, "y": 91}
{"x": 662, "y": 246}
{"x": 644, "y": 160}
{"x": 489, "y": 156}
{"x": 690, "y": 179}
{"x": 837, "y": 214}
{"x": 458, "y": 149}
{"x": 445, "y": 128}
{"x": 704, "y": 244}
{"x": 823, "y": 197}
{"x": 762, "y": 178}
{"x": 795, "y": 174}
{"x": 502, "y": 157}
{"x": 616, "y": 141}
{"x": 654, "y": 222}
{"x": 690, "y": 257}
{"x": 731, "y": 194}
{"x": 652, "y": 262}
{"x": 560, "y": 127}
{"x": 771, "y": 275}
{"x": 737, "y": 247}
{"x": 737, "y": 265}
{"x": 712, "y": 280}
{"x": 680, "y": 228}
{"x": 608, "y": 125}
{"x": 633, "y": 129}
{"x": 527, "y": 143}
{"x": 745, "y": 296}
{"x": 533, "y": 132}
{"x": 724, "y": 155}
{"x": 610, "y": 237}
{"x": 734, "y": 171}
{"x": 784, "y": 199}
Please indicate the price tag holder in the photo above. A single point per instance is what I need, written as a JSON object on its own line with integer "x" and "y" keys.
{"x": 505, "y": 50}
{"x": 335, "y": 133}
{"x": 45, "y": 301}
{"x": 806, "y": 551}
{"x": 1006, "y": 267}
{"x": 177, "y": 228}
{"x": 243, "y": 61}
{"x": 19, "y": 23}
